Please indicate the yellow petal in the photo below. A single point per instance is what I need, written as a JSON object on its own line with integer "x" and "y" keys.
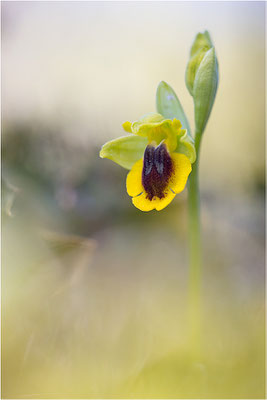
{"x": 156, "y": 128}
{"x": 145, "y": 204}
{"x": 134, "y": 179}
{"x": 176, "y": 124}
{"x": 147, "y": 121}
{"x": 162, "y": 203}
{"x": 127, "y": 126}
{"x": 182, "y": 168}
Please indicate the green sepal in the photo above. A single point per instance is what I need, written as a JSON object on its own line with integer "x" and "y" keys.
{"x": 205, "y": 87}
{"x": 125, "y": 150}
{"x": 169, "y": 105}
{"x": 186, "y": 146}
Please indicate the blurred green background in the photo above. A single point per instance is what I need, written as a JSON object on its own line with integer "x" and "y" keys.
{"x": 94, "y": 292}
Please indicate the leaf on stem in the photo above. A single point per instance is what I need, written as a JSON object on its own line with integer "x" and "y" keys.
{"x": 169, "y": 105}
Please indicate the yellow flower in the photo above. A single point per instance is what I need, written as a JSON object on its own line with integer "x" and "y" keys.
{"x": 162, "y": 172}
{"x": 159, "y": 154}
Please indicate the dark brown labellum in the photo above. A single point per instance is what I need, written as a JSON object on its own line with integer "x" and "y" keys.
{"x": 157, "y": 170}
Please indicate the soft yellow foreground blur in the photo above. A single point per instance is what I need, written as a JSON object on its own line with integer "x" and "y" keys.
{"x": 107, "y": 318}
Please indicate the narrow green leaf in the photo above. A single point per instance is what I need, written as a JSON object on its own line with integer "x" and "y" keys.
{"x": 169, "y": 105}
{"x": 125, "y": 150}
{"x": 205, "y": 87}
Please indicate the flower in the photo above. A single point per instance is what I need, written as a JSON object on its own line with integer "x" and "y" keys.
{"x": 160, "y": 154}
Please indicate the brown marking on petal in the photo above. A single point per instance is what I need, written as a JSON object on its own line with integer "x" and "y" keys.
{"x": 157, "y": 170}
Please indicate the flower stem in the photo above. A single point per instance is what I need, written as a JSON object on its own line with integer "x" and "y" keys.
{"x": 195, "y": 253}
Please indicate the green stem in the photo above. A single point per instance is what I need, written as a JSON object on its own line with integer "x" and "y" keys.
{"x": 195, "y": 260}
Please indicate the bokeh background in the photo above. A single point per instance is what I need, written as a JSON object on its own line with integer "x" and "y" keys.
{"x": 94, "y": 292}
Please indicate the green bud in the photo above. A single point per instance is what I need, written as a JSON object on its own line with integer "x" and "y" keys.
{"x": 125, "y": 150}
{"x": 169, "y": 105}
{"x": 202, "y": 78}
{"x": 205, "y": 87}
{"x": 201, "y": 45}
{"x": 201, "y": 40}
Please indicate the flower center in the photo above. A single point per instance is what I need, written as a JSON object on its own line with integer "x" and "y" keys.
{"x": 157, "y": 170}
